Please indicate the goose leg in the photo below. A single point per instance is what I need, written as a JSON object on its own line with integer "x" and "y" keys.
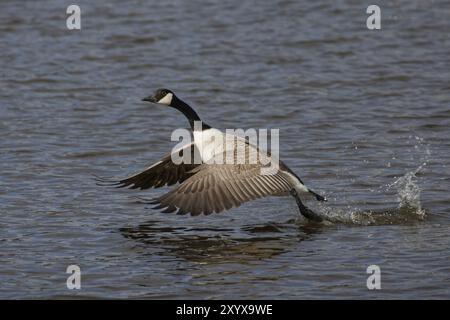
{"x": 305, "y": 211}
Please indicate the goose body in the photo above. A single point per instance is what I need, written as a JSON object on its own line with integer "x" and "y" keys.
{"x": 215, "y": 184}
{"x": 207, "y": 143}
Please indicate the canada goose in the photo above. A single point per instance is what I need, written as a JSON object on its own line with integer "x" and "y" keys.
{"x": 210, "y": 187}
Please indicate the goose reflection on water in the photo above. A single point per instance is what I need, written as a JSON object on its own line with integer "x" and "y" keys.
{"x": 223, "y": 245}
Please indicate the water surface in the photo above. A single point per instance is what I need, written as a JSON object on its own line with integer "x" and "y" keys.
{"x": 364, "y": 118}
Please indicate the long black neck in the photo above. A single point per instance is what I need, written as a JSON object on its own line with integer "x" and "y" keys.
{"x": 189, "y": 113}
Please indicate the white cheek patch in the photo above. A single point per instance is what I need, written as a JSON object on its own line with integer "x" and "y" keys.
{"x": 167, "y": 99}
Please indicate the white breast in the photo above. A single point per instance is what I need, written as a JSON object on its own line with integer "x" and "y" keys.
{"x": 209, "y": 143}
{"x": 218, "y": 147}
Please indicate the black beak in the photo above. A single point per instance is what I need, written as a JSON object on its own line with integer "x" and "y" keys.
{"x": 149, "y": 99}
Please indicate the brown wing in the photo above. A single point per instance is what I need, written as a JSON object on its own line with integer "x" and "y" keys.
{"x": 219, "y": 187}
{"x": 163, "y": 172}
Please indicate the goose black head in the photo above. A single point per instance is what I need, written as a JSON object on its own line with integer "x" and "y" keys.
{"x": 161, "y": 96}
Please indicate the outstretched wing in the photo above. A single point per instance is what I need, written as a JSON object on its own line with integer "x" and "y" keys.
{"x": 219, "y": 187}
{"x": 163, "y": 172}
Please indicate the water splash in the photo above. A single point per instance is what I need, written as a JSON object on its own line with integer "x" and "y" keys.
{"x": 409, "y": 207}
{"x": 408, "y": 191}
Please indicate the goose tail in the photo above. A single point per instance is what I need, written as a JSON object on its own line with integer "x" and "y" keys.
{"x": 317, "y": 196}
